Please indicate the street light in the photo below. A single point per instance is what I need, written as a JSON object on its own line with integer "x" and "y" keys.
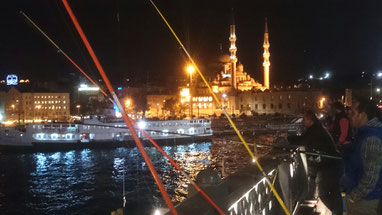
{"x": 190, "y": 69}
{"x": 78, "y": 109}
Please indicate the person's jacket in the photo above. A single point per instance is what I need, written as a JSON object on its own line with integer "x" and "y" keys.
{"x": 316, "y": 139}
{"x": 363, "y": 166}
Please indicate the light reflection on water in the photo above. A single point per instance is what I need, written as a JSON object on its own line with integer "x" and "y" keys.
{"x": 89, "y": 181}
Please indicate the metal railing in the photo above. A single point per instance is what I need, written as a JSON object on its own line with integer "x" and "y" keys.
{"x": 246, "y": 192}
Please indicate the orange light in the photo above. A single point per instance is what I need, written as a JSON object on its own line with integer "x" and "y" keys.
{"x": 127, "y": 102}
{"x": 190, "y": 69}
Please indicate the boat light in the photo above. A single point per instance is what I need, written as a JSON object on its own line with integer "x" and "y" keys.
{"x": 142, "y": 124}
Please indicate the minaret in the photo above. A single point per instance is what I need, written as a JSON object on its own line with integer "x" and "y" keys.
{"x": 266, "y": 56}
{"x": 232, "y": 50}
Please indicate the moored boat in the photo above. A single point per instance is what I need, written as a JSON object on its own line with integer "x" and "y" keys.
{"x": 97, "y": 133}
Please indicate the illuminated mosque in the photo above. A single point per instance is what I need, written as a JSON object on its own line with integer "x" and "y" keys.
{"x": 231, "y": 80}
{"x": 232, "y": 76}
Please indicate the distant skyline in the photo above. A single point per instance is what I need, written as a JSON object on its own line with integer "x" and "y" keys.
{"x": 306, "y": 37}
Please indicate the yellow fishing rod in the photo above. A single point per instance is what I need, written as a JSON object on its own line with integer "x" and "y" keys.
{"x": 225, "y": 113}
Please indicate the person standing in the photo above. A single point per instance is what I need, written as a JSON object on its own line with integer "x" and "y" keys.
{"x": 340, "y": 129}
{"x": 363, "y": 173}
{"x": 324, "y": 173}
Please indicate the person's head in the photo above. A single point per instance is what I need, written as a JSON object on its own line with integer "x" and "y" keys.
{"x": 309, "y": 118}
{"x": 363, "y": 110}
{"x": 338, "y": 107}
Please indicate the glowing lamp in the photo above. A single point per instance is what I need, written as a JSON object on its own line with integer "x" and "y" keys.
{"x": 190, "y": 69}
{"x": 142, "y": 124}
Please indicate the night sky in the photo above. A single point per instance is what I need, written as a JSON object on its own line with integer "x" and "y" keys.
{"x": 306, "y": 37}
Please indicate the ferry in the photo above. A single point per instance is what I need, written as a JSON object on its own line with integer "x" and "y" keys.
{"x": 94, "y": 132}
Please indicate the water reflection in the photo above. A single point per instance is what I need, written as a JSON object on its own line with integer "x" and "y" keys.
{"x": 91, "y": 181}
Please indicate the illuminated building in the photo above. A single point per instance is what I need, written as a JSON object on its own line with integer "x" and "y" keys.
{"x": 283, "y": 102}
{"x": 266, "y": 56}
{"x": 29, "y": 107}
{"x": 232, "y": 76}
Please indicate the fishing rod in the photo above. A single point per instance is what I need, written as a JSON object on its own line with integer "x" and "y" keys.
{"x": 59, "y": 50}
{"x": 132, "y": 121}
{"x": 126, "y": 118}
{"x": 281, "y": 202}
{"x": 119, "y": 105}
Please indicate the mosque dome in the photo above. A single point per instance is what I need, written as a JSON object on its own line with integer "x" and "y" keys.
{"x": 240, "y": 67}
{"x": 224, "y": 58}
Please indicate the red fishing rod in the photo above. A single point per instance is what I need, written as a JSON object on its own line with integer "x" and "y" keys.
{"x": 124, "y": 115}
{"x": 132, "y": 121}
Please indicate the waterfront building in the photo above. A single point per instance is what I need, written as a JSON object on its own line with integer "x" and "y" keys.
{"x": 28, "y": 107}
{"x": 283, "y": 102}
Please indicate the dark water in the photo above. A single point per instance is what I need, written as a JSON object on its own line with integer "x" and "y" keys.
{"x": 90, "y": 181}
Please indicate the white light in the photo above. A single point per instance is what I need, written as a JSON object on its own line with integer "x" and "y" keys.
{"x": 379, "y": 74}
{"x": 310, "y": 76}
{"x": 12, "y": 79}
{"x": 1, "y": 117}
{"x": 84, "y": 87}
{"x": 378, "y": 89}
{"x": 54, "y": 136}
{"x": 226, "y": 75}
{"x": 291, "y": 170}
{"x": 142, "y": 124}
{"x": 321, "y": 78}
{"x": 327, "y": 75}
{"x": 253, "y": 160}
{"x": 224, "y": 95}
{"x": 157, "y": 212}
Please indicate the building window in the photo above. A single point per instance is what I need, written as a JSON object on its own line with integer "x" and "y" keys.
{"x": 288, "y": 105}
{"x": 281, "y": 97}
{"x": 272, "y": 97}
{"x": 256, "y": 106}
{"x": 289, "y": 96}
{"x": 264, "y": 106}
{"x": 280, "y": 106}
{"x": 272, "y": 106}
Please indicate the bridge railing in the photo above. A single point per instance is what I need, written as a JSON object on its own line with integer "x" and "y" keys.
{"x": 247, "y": 192}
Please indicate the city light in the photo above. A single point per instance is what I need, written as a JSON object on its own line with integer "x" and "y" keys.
{"x": 378, "y": 90}
{"x": 311, "y": 76}
{"x": 142, "y": 124}
{"x": 224, "y": 95}
{"x": 1, "y": 117}
{"x": 84, "y": 87}
{"x": 322, "y": 102}
{"x": 327, "y": 75}
{"x": 190, "y": 69}
{"x": 12, "y": 79}
{"x": 379, "y": 74}
{"x": 127, "y": 103}
{"x": 117, "y": 112}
